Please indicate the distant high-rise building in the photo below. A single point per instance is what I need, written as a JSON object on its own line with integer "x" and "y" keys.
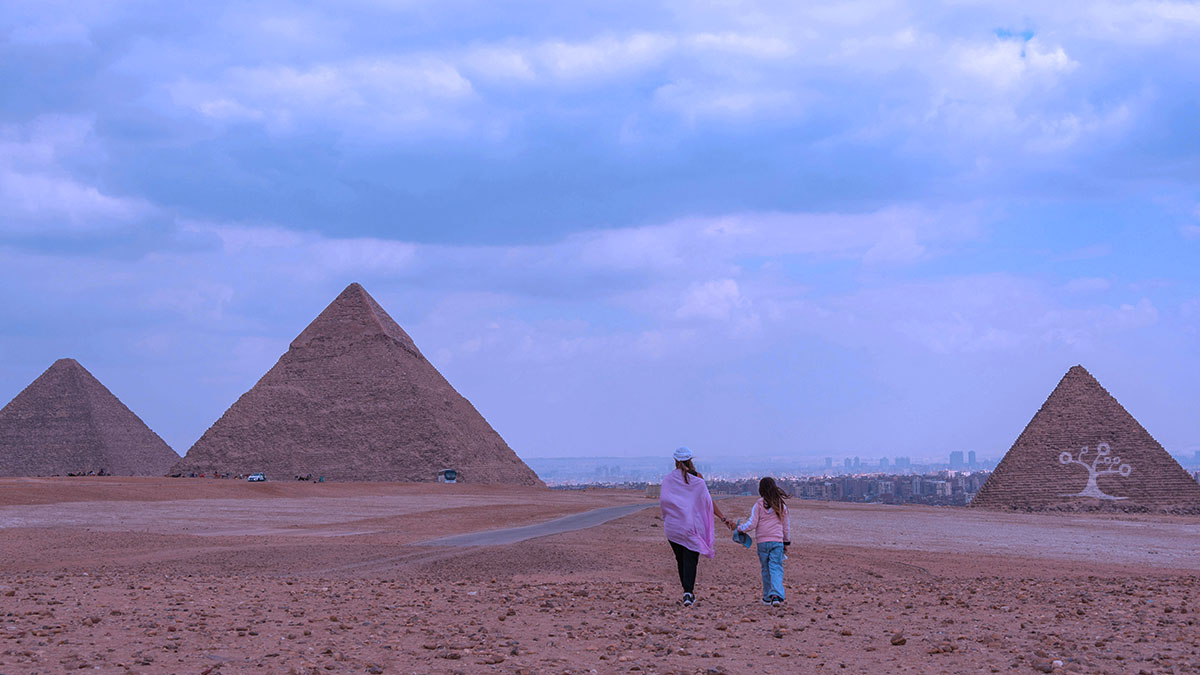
{"x": 856, "y": 462}
{"x": 846, "y": 462}
{"x": 971, "y": 459}
{"x": 828, "y": 462}
{"x": 956, "y": 459}
{"x": 883, "y": 463}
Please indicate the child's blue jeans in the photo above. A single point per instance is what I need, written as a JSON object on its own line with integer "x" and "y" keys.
{"x": 770, "y": 555}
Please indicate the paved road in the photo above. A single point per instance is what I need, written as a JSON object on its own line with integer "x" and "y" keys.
{"x": 512, "y": 535}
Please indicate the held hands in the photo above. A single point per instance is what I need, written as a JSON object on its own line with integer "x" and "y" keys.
{"x": 727, "y": 522}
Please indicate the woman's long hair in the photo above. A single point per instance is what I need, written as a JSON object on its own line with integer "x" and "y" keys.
{"x": 687, "y": 467}
{"x": 772, "y": 495}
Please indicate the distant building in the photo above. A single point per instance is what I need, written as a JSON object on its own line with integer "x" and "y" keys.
{"x": 883, "y": 463}
{"x": 856, "y": 463}
{"x": 956, "y": 459}
{"x": 828, "y": 462}
{"x": 971, "y": 459}
{"x": 846, "y": 462}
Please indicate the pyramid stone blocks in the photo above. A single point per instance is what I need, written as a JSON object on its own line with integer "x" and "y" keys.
{"x": 353, "y": 399}
{"x": 66, "y": 421}
{"x": 1083, "y": 450}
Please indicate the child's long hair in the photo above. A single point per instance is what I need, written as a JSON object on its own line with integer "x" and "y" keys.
{"x": 772, "y": 495}
{"x": 687, "y": 467}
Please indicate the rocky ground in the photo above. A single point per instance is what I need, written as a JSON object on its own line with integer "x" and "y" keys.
{"x": 316, "y": 599}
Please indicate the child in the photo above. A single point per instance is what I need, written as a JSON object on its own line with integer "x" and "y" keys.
{"x": 770, "y": 527}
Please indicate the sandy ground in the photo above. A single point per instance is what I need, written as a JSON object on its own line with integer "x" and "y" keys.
{"x": 195, "y": 576}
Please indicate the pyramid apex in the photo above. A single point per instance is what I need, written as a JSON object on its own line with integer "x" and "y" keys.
{"x": 353, "y": 288}
{"x": 352, "y": 315}
{"x": 1078, "y": 372}
{"x": 67, "y": 365}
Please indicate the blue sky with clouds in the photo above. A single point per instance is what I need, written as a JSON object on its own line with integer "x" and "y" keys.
{"x": 852, "y": 228}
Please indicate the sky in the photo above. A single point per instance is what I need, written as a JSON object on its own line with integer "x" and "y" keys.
{"x": 749, "y": 227}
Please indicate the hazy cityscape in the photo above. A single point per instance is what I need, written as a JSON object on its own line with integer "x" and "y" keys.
{"x": 884, "y": 480}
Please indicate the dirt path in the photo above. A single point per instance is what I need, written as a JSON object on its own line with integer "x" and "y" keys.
{"x": 513, "y": 535}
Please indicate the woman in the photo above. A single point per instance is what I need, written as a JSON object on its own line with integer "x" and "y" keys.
{"x": 687, "y": 513}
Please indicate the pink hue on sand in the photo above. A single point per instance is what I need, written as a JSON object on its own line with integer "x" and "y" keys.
{"x": 870, "y": 588}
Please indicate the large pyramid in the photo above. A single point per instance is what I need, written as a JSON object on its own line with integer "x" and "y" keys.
{"x": 67, "y": 422}
{"x": 1083, "y": 450}
{"x": 353, "y": 399}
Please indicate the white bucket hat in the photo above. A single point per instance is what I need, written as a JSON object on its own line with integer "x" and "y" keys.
{"x": 682, "y": 453}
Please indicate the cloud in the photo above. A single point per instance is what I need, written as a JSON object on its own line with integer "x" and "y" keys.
{"x": 898, "y": 245}
{"x": 1089, "y": 252}
{"x": 603, "y": 56}
{"x": 1145, "y": 22}
{"x": 760, "y": 46}
{"x": 385, "y": 94}
{"x": 1004, "y": 64}
{"x": 202, "y": 300}
{"x": 693, "y": 100}
{"x": 996, "y": 313}
{"x": 38, "y": 192}
{"x": 713, "y": 300}
{"x": 51, "y": 33}
{"x": 1087, "y": 285}
{"x": 1190, "y": 231}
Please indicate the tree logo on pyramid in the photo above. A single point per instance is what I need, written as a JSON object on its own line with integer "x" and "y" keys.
{"x": 1100, "y": 465}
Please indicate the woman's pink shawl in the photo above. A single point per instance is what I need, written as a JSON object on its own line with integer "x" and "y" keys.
{"x": 687, "y": 512}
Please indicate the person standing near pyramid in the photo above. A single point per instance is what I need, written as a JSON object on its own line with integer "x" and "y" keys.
{"x": 687, "y": 513}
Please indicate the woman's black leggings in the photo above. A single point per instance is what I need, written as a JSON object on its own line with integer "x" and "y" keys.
{"x": 687, "y": 559}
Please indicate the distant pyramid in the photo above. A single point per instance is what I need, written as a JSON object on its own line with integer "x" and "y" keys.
{"x": 353, "y": 399}
{"x": 67, "y": 422}
{"x": 1084, "y": 450}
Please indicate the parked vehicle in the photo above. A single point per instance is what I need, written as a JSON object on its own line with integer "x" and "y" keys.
{"x": 256, "y": 478}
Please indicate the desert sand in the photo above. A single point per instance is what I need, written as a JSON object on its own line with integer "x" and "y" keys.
{"x": 205, "y": 576}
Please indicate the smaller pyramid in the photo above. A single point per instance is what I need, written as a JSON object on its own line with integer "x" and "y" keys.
{"x": 1083, "y": 450}
{"x": 66, "y": 421}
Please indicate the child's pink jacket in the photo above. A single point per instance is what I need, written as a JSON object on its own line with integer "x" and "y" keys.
{"x": 765, "y": 526}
